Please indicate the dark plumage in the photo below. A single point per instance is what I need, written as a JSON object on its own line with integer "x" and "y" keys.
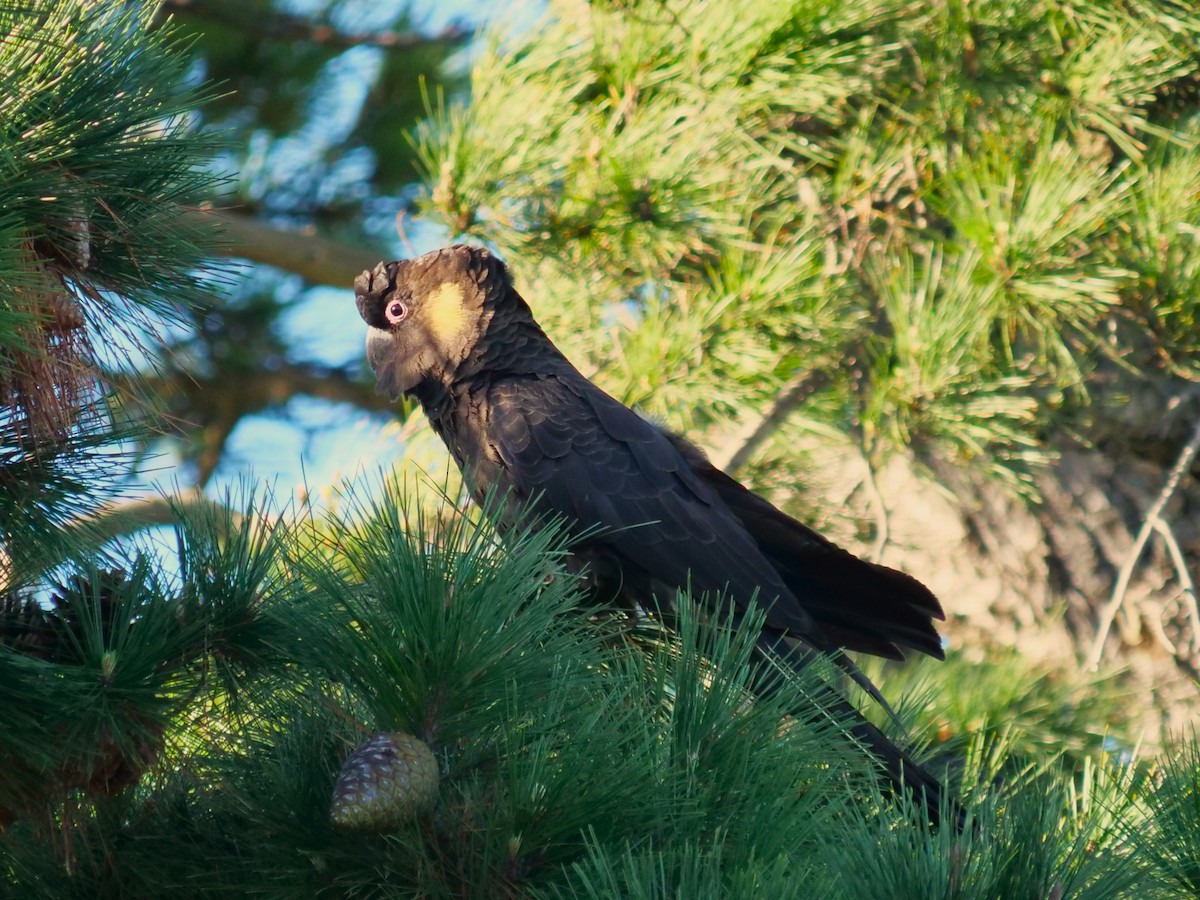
{"x": 449, "y": 329}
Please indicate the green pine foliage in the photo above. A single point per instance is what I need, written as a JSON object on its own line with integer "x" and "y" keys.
{"x": 96, "y": 655}
{"x": 963, "y": 197}
{"x": 579, "y": 756}
{"x": 98, "y": 665}
{"x": 1033, "y": 837}
{"x": 97, "y": 152}
{"x": 1044, "y": 712}
{"x": 933, "y": 207}
{"x": 95, "y": 162}
{"x": 1171, "y": 844}
{"x": 550, "y": 733}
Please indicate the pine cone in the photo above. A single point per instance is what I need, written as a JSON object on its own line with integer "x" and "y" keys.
{"x": 389, "y": 778}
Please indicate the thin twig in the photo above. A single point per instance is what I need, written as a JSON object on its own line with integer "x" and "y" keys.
{"x": 412, "y": 251}
{"x": 754, "y": 433}
{"x": 1186, "y": 583}
{"x": 883, "y": 529}
{"x": 1159, "y": 631}
{"x": 1153, "y": 519}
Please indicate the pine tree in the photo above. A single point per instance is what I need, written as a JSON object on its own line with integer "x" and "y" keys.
{"x": 928, "y": 259}
{"x": 917, "y": 217}
{"x": 97, "y": 653}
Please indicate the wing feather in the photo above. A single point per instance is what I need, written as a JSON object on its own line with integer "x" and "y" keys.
{"x": 621, "y": 473}
{"x": 856, "y": 603}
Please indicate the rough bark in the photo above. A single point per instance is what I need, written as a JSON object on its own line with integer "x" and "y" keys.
{"x": 1035, "y": 576}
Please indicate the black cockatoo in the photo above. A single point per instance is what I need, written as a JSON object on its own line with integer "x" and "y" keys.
{"x": 652, "y": 514}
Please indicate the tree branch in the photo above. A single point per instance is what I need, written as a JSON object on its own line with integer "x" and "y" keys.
{"x": 122, "y": 517}
{"x": 1186, "y": 583}
{"x": 324, "y": 383}
{"x": 737, "y": 450}
{"x": 1152, "y": 523}
{"x": 317, "y": 259}
{"x": 247, "y": 19}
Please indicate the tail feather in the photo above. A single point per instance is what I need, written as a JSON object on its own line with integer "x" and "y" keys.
{"x": 857, "y": 604}
{"x": 901, "y": 770}
{"x": 906, "y": 774}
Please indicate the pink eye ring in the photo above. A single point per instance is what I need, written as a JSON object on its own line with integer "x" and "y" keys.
{"x": 396, "y": 312}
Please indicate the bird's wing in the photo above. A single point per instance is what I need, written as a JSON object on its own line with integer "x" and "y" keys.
{"x": 594, "y": 461}
{"x": 856, "y": 603}
{"x": 597, "y": 463}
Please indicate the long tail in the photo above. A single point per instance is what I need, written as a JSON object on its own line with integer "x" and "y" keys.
{"x": 906, "y": 774}
{"x": 901, "y": 769}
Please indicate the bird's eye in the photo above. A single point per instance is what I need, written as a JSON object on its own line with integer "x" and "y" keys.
{"x": 397, "y": 312}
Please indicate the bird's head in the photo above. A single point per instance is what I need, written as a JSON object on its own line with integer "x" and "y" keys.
{"x": 425, "y": 315}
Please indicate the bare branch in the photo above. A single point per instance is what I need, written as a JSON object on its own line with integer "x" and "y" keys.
{"x": 266, "y": 389}
{"x": 324, "y": 383}
{"x": 283, "y": 27}
{"x": 126, "y": 516}
{"x": 883, "y": 528}
{"x": 317, "y": 259}
{"x": 1186, "y": 583}
{"x": 737, "y": 450}
{"x": 1152, "y": 522}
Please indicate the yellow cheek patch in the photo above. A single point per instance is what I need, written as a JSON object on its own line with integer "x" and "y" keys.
{"x": 444, "y": 313}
